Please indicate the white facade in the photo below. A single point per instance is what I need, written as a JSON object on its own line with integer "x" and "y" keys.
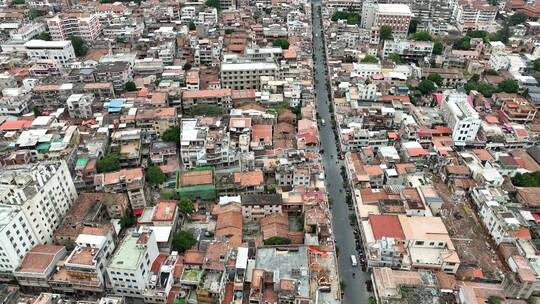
{"x": 246, "y": 75}
{"x": 33, "y": 200}
{"x": 16, "y": 238}
{"x": 83, "y": 25}
{"x": 61, "y": 51}
{"x": 408, "y": 49}
{"x": 130, "y": 265}
{"x": 461, "y": 117}
{"x": 80, "y": 105}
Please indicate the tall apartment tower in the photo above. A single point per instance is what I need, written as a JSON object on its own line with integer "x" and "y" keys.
{"x": 33, "y": 200}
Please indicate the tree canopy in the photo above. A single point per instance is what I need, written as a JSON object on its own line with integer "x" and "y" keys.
{"x": 395, "y": 58}
{"x": 109, "y": 163}
{"x": 526, "y": 179}
{"x": 192, "y": 26}
{"x": 369, "y": 59}
{"x": 186, "y": 205}
{"x": 491, "y": 72}
{"x": 128, "y": 220}
{"x": 172, "y": 135}
{"x": 183, "y": 240}
{"x": 155, "y": 176}
{"x": 426, "y": 86}
{"x": 385, "y": 32}
{"x": 435, "y": 78}
{"x": 463, "y": 43}
{"x": 277, "y": 240}
{"x": 413, "y": 25}
{"x": 282, "y": 43}
{"x": 351, "y": 17}
{"x": 421, "y": 36}
{"x": 213, "y": 3}
{"x": 207, "y": 110}
{"x": 130, "y": 86}
{"x": 517, "y": 18}
{"x": 438, "y": 48}
{"x": 79, "y": 46}
{"x": 536, "y": 65}
{"x": 508, "y": 86}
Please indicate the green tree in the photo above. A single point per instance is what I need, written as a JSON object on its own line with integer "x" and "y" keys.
{"x": 463, "y": 43}
{"x": 186, "y": 206}
{"x": 426, "y": 86}
{"x": 282, "y": 43}
{"x": 536, "y": 65}
{"x": 109, "y": 163}
{"x": 413, "y": 25}
{"x": 277, "y": 240}
{"x": 351, "y": 17}
{"x": 44, "y": 36}
{"x": 186, "y": 66}
{"x": 155, "y": 176}
{"x": 517, "y": 18}
{"x": 213, "y": 3}
{"x": 508, "y": 86}
{"x": 502, "y": 35}
{"x": 372, "y": 300}
{"x": 17, "y": 2}
{"x": 493, "y": 2}
{"x": 192, "y": 26}
{"x": 438, "y": 48}
{"x": 491, "y": 72}
{"x": 36, "y": 111}
{"x": 485, "y": 89}
{"x": 495, "y": 300}
{"x": 477, "y": 34}
{"x": 385, "y": 32}
{"x": 172, "y": 135}
{"x": 395, "y": 58}
{"x": 79, "y": 46}
{"x": 206, "y": 110}
{"x": 34, "y": 13}
{"x": 531, "y": 179}
{"x": 130, "y": 86}
{"x": 421, "y": 36}
{"x": 229, "y": 31}
{"x": 435, "y": 78}
{"x": 128, "y": 220}
{"x": 350, "y": 59}
{"x": 183, "y": 240}
{"x": 179, "y": 301}
{"x": 369, "y": 59}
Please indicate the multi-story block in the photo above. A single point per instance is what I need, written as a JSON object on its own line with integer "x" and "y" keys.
{"x": 130, "y": 267}
{"x": 475, "y": 15}
{"x": 33, "y": 199}
{"x": 15, "y": 101}
{"x": 61, "y": 51}
{"x": 257, "y": 206}
{"x": 220, "y": 97}
{"x": 83, "y": 25}
{"x": 396, "y": 16}
{"x": 80, "y": 105}
{"x": 156, "y": 121}
{"x": 125, "y": 180}
{"x": 38, "y": 265}
{"x": 193, "y": 143}
{"x": 85, "y": 266}
{"x": 461, "y": 117}
{"x": 246, "y": 75}
{"x": 408, "y": 50}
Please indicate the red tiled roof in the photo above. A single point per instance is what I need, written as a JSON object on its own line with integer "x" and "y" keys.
{"x": 386, "y": 226}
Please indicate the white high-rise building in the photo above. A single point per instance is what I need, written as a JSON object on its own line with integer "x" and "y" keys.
{"x": 83, "y": 25}
{"x": 460, "y": 116}
{"x": 33, "y": 200}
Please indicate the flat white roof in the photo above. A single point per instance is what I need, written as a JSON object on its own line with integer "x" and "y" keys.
{"x": 395, "y": 9}
{"x": 248, "y": 66}
{"x": 242, "y": 258}
{"x": 47, "y": 44}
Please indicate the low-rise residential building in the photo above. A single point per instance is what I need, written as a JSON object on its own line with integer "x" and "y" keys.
{"x": 130, "y": 181}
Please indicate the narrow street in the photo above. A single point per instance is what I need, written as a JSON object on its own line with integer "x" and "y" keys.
{"x": 355, "y": 287}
